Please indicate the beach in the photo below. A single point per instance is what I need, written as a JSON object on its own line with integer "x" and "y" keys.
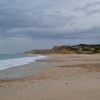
{"x": 61, "y": 77}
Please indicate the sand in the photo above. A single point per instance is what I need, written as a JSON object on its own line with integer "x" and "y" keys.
{"x": 63, "y": 77}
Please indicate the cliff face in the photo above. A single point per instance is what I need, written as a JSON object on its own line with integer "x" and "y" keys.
{"x": 80, "y": 49}
{"x": 60, "y": 50}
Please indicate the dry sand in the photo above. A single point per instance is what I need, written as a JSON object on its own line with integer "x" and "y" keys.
{"x": 67, "y": 77}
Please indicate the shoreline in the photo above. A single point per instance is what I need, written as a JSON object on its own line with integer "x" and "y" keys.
{"x": 9, "y": 62}
{"x": 22, "y": 70}
{"x": 72, "y": 77}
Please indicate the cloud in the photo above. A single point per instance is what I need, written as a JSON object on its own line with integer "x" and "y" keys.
{"x": 88, "y": 5}
{"x": 49, "y": 21}
{"x": 49, "y": 33}
{"x": 17, "y": 21}
{"x": 90, "y": 8}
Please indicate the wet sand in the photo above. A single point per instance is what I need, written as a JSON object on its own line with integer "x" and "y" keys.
{"x": 63, "y": 77}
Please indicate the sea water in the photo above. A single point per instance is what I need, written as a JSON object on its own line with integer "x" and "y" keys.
{"x": 12, "y": 60}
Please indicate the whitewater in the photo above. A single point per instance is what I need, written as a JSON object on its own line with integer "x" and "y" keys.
{"x": 17, "y": 61}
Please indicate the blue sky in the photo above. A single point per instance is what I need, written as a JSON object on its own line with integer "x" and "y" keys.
{"x": 38, "y": 24}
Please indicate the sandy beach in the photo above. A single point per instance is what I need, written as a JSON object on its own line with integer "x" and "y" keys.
{"x": 62, "y": 77}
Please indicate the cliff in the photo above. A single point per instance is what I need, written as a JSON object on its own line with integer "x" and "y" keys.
{"x": 60, "y": 50}
{"x": 79, "y": 49}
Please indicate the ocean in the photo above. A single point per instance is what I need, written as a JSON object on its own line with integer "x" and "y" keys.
{"x": 12, "y": 60}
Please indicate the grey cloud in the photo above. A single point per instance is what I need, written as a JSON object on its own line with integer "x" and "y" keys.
{"x": 22, "y": 18}
{"x": 19, "y": 21}
{"x": 88, "y": 5}
{"x": 38, "y": 33}
{"x": 94, "y": 11}
{"x": 90, "y": 33}
{"x": 40, "y": 19}
{"x": 87, "y": 9}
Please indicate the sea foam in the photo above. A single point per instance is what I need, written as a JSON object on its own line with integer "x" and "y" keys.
{"x": 4, "y": 64}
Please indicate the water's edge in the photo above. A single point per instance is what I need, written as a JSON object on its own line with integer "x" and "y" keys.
{"x": 24, "y": 70}
{"x": 7, "y": 63}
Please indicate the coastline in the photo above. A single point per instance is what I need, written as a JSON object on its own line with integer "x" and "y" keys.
{"x": 22, "y": 70}
{"x": 72, "y": 77}
{"x": 13, "y": 60}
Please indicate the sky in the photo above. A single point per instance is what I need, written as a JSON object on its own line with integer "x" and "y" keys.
{"x": 42, "y": 24}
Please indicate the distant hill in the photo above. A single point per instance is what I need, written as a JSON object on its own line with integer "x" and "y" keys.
{"x": 37, "y": 51}
{"x": 76, "y": 49}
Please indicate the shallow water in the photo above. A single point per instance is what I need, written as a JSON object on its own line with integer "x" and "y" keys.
{"x": 11, "y": 60}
